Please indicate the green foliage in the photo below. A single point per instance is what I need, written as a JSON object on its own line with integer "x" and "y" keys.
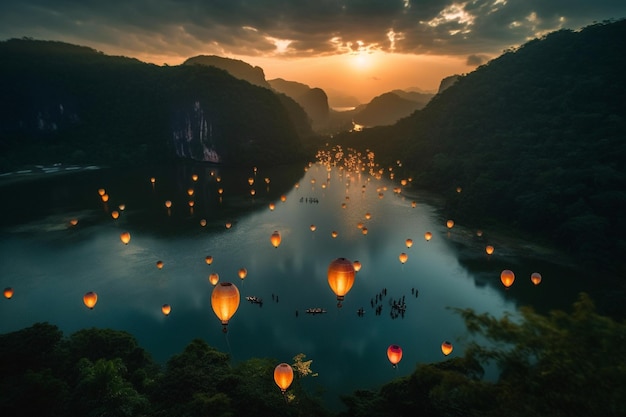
{"x": 536, "y": 140}
{"x": 560, "y": 364}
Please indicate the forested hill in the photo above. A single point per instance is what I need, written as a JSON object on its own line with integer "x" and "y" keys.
{"x": 536, "y": 139}
{"x": 72, "y": 104}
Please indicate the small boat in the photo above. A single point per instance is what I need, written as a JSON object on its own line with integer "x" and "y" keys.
{"x": 254, "y": 300}
{"x": 316, "y": 310}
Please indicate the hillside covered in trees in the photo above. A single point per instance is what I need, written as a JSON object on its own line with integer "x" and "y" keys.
{"x": 535, "y": 139}
{"x": 72, "y": 104}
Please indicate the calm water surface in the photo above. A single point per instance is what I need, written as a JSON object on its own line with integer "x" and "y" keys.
{"x": 51, "y": 264}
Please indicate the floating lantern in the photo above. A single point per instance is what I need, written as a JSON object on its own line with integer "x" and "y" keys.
{"x": 225, "y": 301}
{"x": 450, "y": 224}
{"x": 166, "y": 309}
{"x": 403, "y": 257}
{"x": 428, "y": 236}
{"x": 334, "y": 234}
{"x": 535, "y": 277}
{"x": 115, "y": 214}
{"x": 408, "y": 243}
{"x": 125, "y": 238}
{"x": 312, "y": 227}
{"x": 159, "y": 264}
{"x": 214, "y": 278}
{"x": 394, "y": 354}
{"x": 283, "y": 376}
{"x": 275, "y": 239}
{"x": 357, "y": 266}
{"x": 489, "y": 249}
{"x": 243, "y": 272}
{"x": 209, "y": 260}
{"x": 507, "y": 277}
{"x": 168, "y": 204}
{"x": 341, "y": 277}
{"x": 446, "y": 348}
{"x": 8, "y": 293}
{"x": 90, "y": 299}
{"x": 272, "y": 206}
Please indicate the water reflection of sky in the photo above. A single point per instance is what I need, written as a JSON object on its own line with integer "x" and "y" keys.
{"x": 51, "y": 268}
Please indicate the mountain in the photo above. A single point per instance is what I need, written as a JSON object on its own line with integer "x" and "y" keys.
{"x": 236, "y": 68}
{"x": 313, "y": 100}
{"x": 385, "y": 109}
{"x": 536, "y": 139}
{"x": 419, "y": 97}
{"x": 447, "y": 82}
{"x": 67, "y": 103}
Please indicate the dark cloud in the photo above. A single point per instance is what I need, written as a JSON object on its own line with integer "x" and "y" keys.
{"x": 476, "y": 60}
{"x": 307, "y": 27}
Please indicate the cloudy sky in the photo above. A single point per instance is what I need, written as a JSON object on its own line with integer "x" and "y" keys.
{"x": 361, "y": 47}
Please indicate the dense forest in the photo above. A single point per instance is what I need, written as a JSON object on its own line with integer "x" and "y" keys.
{"x": 562, "y": 364}
{"x": 535, "y": 139}
{"x": 71, "y": 104}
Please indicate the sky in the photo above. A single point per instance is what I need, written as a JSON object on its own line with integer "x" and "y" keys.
{"x": 361, "y": 48}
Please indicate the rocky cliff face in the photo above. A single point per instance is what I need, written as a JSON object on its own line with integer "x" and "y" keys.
{"x": 192, "y": 135}
{"x": 314, "y": 101}
{"x": 236, "y": 68}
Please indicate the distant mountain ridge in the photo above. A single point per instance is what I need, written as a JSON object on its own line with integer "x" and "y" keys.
{"x": 235, "y": 67}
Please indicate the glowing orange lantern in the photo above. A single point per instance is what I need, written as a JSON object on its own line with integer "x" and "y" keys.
{"x": 364, "y": 230}
{"x": 190, "y": 192}
{"x": 225, "y": 301}
{"x": 250, "y": 180}
{"x": 283, "y": 376}
{"x": 105, "y": 198}
{"x": 409, "y": 243}
{"x": 101, "y": 191}
{"x": 90, "y": 299}
{"x": 159, "y": 264}
{"x": 446, "y": 348}
{"x": 275, "y": 239}
{"x": 168, "y": 204}
{"x": 312, "y": 227}
{"x": 450, "y": 224}
{"x": 243, "y": 272}
{"x": 115, "y": 214}
{"x": 428, "y": 236}
{"x": 202, "y": 222}
{"x": 368, "y": 216}
{"x": 209, "y": 260}
{"x": 229, "y": 225}
{"x": 73, "y": 222}
{"x": 535, "y": 277}
{"x": 394, "y": 354}
{"x": 272, "y": 206}
{"x": 489, "y": 249}
{"x": 507, "y": 277}
{"x": 194, "y": 177}
{"x": 8, "y": 293}
{"x": 166, "y": 309}
{"x": 403, "y": 257}
{"x": 125, "y": 238}
{"x": 334, "y": 234}
{"x": 357, "y": 266}
{"x": 214, "y": 278}
{"x": 341, "y": 277}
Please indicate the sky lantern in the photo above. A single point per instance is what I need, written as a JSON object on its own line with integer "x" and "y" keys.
{"x": 122, "y": 207}
{"x": 535, "y": 277}
{"x": 243, "y": 272}
{"x": 394, "y": 354}
{"x": 312, "y": 227}
{"x": 8, "y": 293}
{"x": 115, "y": 214}
{"x": 359, "y": 225}
{"x": 357, "y": 266}
{"x": 166, "y": 309}
{"x": 190, "y": 192}
{"x": 272, "y": 206}
{"x": 489, "y": 249}
{"x": 267, "y": 180}
{"x": 125, "y": 237}
{"x": 218, "y": 179}
{"x": 283, "y": 198}
{"x": 334, "y": 234}
{"x": 364, "y": 230}
{"x": 225, "y": 301}
{"x": 283, "y": 376}
{"x": 214, "y": 278}
{"x": 194, "y": 177}
{"x": 152, "y": 180}
{"x": 479, "y": 233}
{"x": 275, "y": 239}
{"x": 341, "y": 277}
{"x": 252, "y": 193}
{"x": 250, "y": 180}
{"x": 450, "y": 224}
{"x": 208, "y": 260}
{"x": 168, "y": 203}
{"x": 446, "y": 348}
{"x": 459, "y": 189}
{"x": 428, "y": 236}
{"x": 507, "y": 277}
{"x": 220, "y": 191}
{"x": 228, "y": 225}
{"x": 368, "y": 216}
{"x": 413, "y": 204}
{"x": 101, "y": 192}
{"x": 90, "y": 299}
{"x": 403, "y": 258}
{"x": 104, "y": 197}
{"x": 73, "y": 222}
{"x": 409, "y": 243}
{"x": 202, "y": 222}
{"x": 159, "y": 264}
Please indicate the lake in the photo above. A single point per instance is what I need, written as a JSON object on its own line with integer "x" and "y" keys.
{"x": 51, "y": 264}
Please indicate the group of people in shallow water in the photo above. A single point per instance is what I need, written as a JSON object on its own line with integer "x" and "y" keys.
{"x": 310, "y": 200}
